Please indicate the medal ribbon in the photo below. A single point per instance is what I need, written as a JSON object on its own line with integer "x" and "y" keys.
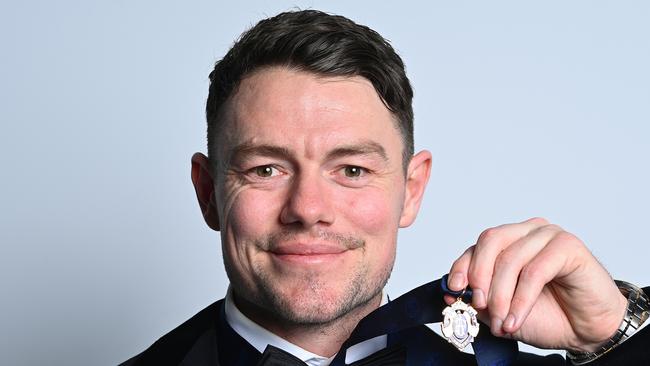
{"x": 424, "y": 305}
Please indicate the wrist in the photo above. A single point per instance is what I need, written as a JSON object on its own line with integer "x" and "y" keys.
{"x": 614, "y": 321}
{"x": 637, "y": 308}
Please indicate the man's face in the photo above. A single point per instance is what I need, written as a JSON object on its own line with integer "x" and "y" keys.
{"x": 310, "y": 193}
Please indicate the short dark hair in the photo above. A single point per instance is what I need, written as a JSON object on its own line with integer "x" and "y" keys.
{"x": 321, "y": 43}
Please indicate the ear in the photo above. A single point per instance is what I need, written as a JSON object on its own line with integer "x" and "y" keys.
{"x": 417, "y": 176}
{"x": 204, "y": 187}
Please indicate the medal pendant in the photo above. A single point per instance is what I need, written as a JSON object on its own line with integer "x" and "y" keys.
{"x": 459, "y": 325}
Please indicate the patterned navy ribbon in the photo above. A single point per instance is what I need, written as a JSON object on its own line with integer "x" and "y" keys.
{"x": 424, "y": 305}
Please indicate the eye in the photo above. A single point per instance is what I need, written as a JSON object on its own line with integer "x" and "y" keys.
{"x": 265, "y": 171}
{"x": 353, "y": 171}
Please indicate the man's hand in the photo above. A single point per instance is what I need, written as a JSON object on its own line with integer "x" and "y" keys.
{"x": 536, "y": 283}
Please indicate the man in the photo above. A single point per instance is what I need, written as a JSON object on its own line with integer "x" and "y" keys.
{"x": 310, "y": 173}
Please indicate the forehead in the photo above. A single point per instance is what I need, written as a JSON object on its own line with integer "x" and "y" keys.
{"x": 305, "y": 111}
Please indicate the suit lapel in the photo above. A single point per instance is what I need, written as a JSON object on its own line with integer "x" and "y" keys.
{"x": 220, "y": 344}
{"x": 231, "y": 347}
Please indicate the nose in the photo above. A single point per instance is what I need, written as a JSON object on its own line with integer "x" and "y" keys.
{"x": 308, "y": 202}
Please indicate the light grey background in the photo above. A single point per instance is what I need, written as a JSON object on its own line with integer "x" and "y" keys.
{"x": 529, "y": 108}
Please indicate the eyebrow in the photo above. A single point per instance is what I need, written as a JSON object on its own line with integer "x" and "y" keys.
{"x": 249, "y": 149}
{"x": 363, "y": 148}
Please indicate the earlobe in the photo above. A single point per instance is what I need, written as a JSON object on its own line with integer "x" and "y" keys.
{"x": 204, "y": 188}
{"x": 417, "y": 177}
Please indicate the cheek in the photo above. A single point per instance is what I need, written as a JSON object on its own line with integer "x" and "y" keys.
{"x": 250, "y": 214}
{"x": 247, "y": 216}
{"x": 371, "y": 211}
{"x": 374, "y": 212}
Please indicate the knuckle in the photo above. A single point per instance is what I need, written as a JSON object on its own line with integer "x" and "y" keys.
{"x": 532, "y": 274}
{"x": 566, "y": 236}
{"x": 506, "y": 259}
{"x": 539, "y": 220}
{"x": 470, "y": 250}
{"x": 552, "y": 228}
{"x": 569, "y": 241}
{"x": 488, "y": 235}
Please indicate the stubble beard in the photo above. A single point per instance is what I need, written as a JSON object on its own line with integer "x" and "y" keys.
{"x": 315, "y": 305}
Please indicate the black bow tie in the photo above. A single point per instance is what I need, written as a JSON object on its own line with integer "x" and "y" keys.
{"x": 392, "y": 356}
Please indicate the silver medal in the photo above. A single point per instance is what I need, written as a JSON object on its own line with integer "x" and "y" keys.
{"x": 459, "y": 325}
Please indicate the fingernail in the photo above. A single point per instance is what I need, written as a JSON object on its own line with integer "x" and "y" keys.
{"x": 478, "y": 298}
{"x": 456, "y": 281}
{"x": 497, "y": 326}
{"x": 509, "y": 323}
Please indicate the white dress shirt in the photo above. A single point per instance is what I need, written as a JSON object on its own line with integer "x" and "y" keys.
{"x": 260, "y": 337}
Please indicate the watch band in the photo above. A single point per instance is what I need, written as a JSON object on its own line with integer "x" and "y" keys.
{"x": 638, "y": 310}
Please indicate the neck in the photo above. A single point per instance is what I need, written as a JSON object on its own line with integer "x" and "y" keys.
{"x": 323, "y": 339}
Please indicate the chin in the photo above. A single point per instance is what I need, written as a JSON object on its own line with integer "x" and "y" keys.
{"x": 318, "y": 303}
{"x": 319, "y": 308}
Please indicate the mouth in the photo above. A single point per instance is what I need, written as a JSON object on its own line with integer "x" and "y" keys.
{"x": 308, "y": 253}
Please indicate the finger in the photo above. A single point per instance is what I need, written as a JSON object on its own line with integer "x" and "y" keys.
{"x": 449, "y": 299}
{"x": 490, "y": 243}
{"x": 541, "y": 270}
{"x": 458, "y": 273}
{"x": 507, "y": 268}
{"x": 457, "y": 279}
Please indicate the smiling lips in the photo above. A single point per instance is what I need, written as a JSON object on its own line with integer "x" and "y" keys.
{"x": 312, "y": 253}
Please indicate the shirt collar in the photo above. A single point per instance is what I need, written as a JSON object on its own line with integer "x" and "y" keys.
{"x": 260, "y": 337}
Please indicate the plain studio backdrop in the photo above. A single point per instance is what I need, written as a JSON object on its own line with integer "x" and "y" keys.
{"x": 529, "y": 108}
